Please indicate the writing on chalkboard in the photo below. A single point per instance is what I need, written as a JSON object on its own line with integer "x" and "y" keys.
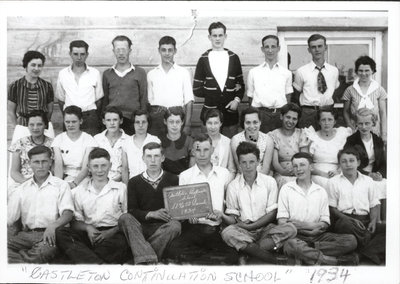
{"x": 188, "y": 201}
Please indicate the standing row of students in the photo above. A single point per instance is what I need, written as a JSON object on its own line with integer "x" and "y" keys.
{"x": 218, "y": 79}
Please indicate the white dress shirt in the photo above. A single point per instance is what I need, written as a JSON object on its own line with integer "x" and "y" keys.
{"x": 83, "y": 93}
{"x": 268, "y": 87}
{"x": 306, "y": 82}
{"x": 219, "y": 63}
{"x": 173, "y": 88}
{"x": 39, "y": 206}
{"x": 217, "y": 179}
{"x": 350, "y": 198}
{"x": 101, "y": 209}
{"x": 251, "y": 203}
{"x": 296, "y": 205}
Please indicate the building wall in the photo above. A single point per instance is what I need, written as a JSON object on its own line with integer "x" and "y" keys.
{"x": 51, "y": 36}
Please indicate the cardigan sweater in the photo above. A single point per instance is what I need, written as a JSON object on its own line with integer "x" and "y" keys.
{"x": 380, "y": 155}
{"x": 143, "y": 198}
{"x": 127, "y": 93}
{"x": 206, "y": 86}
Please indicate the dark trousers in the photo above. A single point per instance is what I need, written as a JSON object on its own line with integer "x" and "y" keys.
{"x": 76, "y": 245}
{"x": 201, "y": 244}
{"x": 270, "y": 119}
{"x": 308, "y": 118}
{"x": 91, "y": 122}
{"x": 158, "y": 128}
{"x": 128, "y": 126}
{"x": 372, "y": 246}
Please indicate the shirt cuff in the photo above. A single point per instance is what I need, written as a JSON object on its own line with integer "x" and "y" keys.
{"x": 325, "y": 219}
{"x": 237, "y": 99}
{"x": 282, "y": 215}
{"x": 232, "y": 211}
{"x": 272, "y": 207}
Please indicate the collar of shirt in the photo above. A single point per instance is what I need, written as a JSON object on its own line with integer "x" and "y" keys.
{"x": 359, "y": 176}
{"x": 372, "y": 87}
{"x": 108, "y": 187}
{"x": 244, "y": 184}
{"x": 313, "y": 187}
{"x": 86, "y": 70}
{"x": 31, "y": 86}
{"x": 49, "y": 180}
{"x": 122, "y": 138}
{"x": 146, "y": 176}
{"x": 174, "y": 66}
{"x": 266, "y": 65}
{"x": 122, "y": 74}
{"x": 316, "y": 67}
{"x": 197, "y": 171}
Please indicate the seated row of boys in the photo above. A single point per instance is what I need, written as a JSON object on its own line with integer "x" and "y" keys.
{"x": 314, "y": 225}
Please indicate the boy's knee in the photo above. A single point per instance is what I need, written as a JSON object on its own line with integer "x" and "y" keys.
{"x": 351, "y": 242}
{"x": 127, "y": 219}
{"x": 174, "y": 227}
{"x": 61, "y": 232}
{"x": 290, "y": 246}
{"x": 227, "y": 232}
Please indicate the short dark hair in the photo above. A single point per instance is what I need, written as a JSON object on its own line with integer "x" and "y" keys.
{"x": 315, "y": 37}
{"x": 213, "y": 113}
{"x": 40, "y": 149}
{"x": 270, "y": 36}
{"x": 351, "y": 150}
{"x": 122, "y": 38}
{"x": 365, "y": 60}
{"x": 32, "y": 54}
{"x": 201, "y": 137}
{"x": 167, "y": 40}
{"x": 304, "y": 155}
{"x": 78, "y": 43}
{"x": 38, "y": 113}
{"x": 329, "y": 109}
{"x": 153, "y": 145}
{"x": 245, "y": 148}
{"x": 247, "y": 111}
{"x": 72, "y": 109}
{"x": 216, "y": 25}
{"x": 291, "y": 107}
{"x": 175, "y": 110}
{"x": 139, "y": 112}
{"x": 97, "y": 153}
{"x": 112, "y": 109}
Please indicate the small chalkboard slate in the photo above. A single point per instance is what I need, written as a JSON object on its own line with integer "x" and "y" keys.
{"x": 188, "y": 201}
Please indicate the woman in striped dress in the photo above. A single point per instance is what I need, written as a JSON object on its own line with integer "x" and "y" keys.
{"x": 366, "y": 93}
{"x": 30, "y": 92}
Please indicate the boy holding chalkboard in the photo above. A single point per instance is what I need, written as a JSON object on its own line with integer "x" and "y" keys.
{"x": 202, "y": 235}
{"x": 251, "y": 206}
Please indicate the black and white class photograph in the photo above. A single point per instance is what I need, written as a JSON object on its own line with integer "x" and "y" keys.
{"x": 200, "y": 142}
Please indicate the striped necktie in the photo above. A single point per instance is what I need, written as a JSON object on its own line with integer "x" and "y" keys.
{"x": 321, "y": 80}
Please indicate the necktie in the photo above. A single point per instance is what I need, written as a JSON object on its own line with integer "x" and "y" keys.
{"x": 321, "y": 80}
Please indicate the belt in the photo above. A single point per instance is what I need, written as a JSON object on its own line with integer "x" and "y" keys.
{"x": 209, "y": 106}
{"x": 157, "y": 108}
{"x": 274, "y": 110}
{"x": 26, "y": 229}
{"x": 312, "y": 107}
{"x": 104, "y": 228}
